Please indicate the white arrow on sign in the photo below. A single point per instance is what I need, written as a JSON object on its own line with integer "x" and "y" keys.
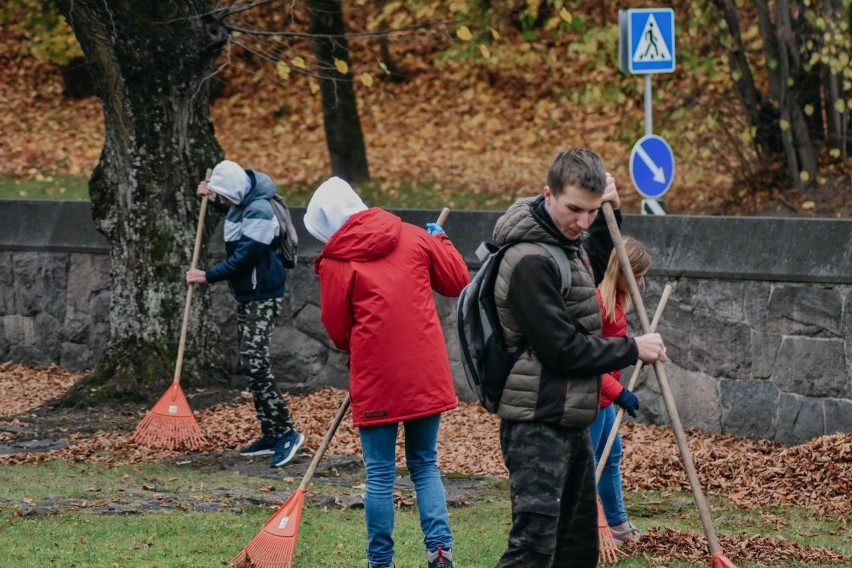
{"x": 659, "y": 174}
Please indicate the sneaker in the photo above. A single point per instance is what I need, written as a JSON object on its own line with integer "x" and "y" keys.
{"x": 629, "y": 534}
{"x": 265, "y": 446}
{"x": 441, "y": 559}
{"x": 286, "y": 447}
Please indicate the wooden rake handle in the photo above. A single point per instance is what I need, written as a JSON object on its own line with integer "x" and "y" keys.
{"x": 442, "y": 218}
{"x": 338, "y": 418}
{"x": 662, "y": 378}
{"x": 199, "y": 232}
{"x": 633, "y": 378}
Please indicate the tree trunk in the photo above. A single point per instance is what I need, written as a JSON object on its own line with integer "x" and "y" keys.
{"x": 759, "y": 112}
{"x": 782, "y": 54}
{"x": 339, "y": 107}
{"x": 151, "y": 63}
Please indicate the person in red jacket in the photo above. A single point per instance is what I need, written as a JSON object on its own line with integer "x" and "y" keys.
{"x": 377, "y": 276}
{"x": 614, "y": 299}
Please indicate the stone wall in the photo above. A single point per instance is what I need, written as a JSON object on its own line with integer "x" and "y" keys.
{"x": 759, "y": 326}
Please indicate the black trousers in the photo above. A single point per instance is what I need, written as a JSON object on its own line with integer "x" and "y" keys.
{"x": 552, "y": 484}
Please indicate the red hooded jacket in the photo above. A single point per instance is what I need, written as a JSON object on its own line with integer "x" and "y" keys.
{"x": 376, "y": 280}
{"x": 612, "y": 327}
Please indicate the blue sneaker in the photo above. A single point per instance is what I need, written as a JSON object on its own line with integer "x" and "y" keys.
{"x": 265, "y": 446}
{"x": 286, "y": 447}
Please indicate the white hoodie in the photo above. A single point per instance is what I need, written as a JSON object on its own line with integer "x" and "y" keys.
{"x": 330, "y": 207}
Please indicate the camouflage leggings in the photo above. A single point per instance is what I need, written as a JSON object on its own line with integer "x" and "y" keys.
{"x": 255, "y": 321}
{"x": 552, "y": 485}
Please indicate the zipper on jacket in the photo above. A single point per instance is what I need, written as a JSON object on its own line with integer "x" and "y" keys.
{"x": 254, "y": 278}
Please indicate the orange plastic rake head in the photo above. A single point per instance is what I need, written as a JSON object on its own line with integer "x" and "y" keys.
{"x": 609, "y": 552}
{"x": 170, "y": 424}
{"x": 275, "y": 545}
{"x": 721, "y": 561}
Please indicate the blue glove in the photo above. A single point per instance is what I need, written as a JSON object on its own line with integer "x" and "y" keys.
{"x": 628, "y": 401}
{"x": 434, "y": 229}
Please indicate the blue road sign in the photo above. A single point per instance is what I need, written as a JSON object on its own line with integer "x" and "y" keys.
{"x": 652, "y": 166}
{"x": 650, "y": 40}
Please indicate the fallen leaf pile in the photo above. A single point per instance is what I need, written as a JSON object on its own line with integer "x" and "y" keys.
{"x": 24, "y": 386}
{"x": 659, "y": 546}
{"x": 816, "y": 474}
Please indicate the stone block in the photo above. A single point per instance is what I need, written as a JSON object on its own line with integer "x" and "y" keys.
{"x": 19, "y": 330}
{"x": 40, "y": 282}
{"x": 812, "y": 367}
{"x": 303, "y": 287}
{"x": 696, "y": 396}
{"x": 76, "y": 357}
{"x": 799, "y": 419}
{"x": 99, "y": 327}
{"x": 838, "y": 415}
{"x": 296, "y": 358}
{"x": 720, "y": 348}
{"x": 756, "y": 302}
{"x": 675, "y": 327}
{"x": 33, "y": 340}
{"x": 652, "y": 407}
{"x": 7, "y": 285}
{"x": 87, "y": 274}
{"x": 334, "y": 374}
{"x": 721, "y": 300}
{"x": 805, "y": 310}
{"x": 748, "y": 407}
{"x": 764, "y": 351}
{"x": 847, "y": 329}
{"x": 75, "y": 328}
{"x": 308, "y": 322}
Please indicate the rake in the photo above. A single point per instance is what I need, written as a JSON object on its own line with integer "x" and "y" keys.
{"x": 718, "y": 559}
{"x": 170, "y": 423}
{"x": 275, "y": 545}
{"x": 609, "y": 553}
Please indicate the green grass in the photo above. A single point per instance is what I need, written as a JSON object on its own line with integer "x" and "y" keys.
{"x": 375, "y": 193}
{"x": 62, "y": 479}
{"x": 64, "y": 187}
{"x": 328, "y": 537}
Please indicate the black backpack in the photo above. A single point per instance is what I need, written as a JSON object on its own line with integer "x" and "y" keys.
{"x": 286, "y": 244}
{"x": 486, "y": 358}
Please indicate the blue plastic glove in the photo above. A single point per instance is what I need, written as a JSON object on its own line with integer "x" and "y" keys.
{"x": 434, "y": 229}
{"x": 628, "y": 401}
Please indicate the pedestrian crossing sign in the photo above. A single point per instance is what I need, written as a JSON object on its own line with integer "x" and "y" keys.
{"x": 649, "y": 45}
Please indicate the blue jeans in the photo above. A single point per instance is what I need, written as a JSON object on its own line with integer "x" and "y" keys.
{"x": 609, "y": 486}
{"x": 378, "y": 444}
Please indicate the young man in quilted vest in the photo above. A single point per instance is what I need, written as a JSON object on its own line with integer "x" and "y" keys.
{"x": 551, "y": 395}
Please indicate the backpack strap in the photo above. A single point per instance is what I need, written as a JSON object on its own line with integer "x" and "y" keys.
{"x": 565, "y": 276}
{"x": 562, "y": 262}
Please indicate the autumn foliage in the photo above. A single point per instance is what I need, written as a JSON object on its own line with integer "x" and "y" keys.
{"x": 483, "y": 106}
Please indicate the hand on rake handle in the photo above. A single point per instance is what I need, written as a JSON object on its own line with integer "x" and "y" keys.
{"x": 435, "y": 229}
{"x": 196, "y": 276}
{"x": 651, "y": 348}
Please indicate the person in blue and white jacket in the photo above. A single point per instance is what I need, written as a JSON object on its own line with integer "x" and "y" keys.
{"x": 257, "y": 278}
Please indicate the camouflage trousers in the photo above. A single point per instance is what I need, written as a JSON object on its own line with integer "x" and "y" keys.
{"x": 256, "y": 321}
{"x": 552, "y": 486}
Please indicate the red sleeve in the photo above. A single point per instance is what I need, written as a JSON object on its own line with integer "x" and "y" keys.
{"x": 610, "y": 389}
{"x": 336, "y": 282}
{"x": 448, "y": 271}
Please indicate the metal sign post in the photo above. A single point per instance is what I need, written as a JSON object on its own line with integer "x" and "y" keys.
{"x": 646, "y": 45}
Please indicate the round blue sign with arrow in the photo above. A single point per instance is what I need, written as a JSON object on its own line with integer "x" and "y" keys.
{"x": 652, "y": 166}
